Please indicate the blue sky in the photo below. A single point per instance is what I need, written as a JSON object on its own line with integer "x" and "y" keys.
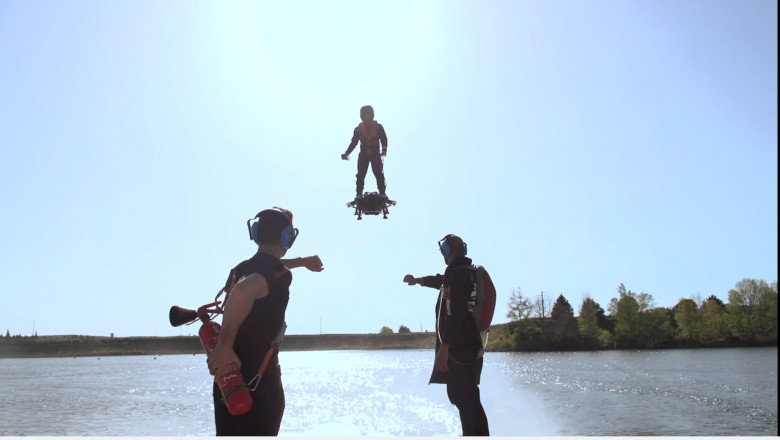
{"x": 573, "y": 145}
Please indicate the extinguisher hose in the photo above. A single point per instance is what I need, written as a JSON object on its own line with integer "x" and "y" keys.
{"x": 253, "y": 384}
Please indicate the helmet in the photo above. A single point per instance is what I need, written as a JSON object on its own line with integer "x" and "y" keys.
{"x": 367, "y": 113}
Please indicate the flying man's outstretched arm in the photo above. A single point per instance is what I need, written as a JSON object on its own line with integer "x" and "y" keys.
{"x": 382, "y": 139}
{"x": 353, "y": 143}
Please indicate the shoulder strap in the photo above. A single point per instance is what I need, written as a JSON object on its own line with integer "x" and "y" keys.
{"x": 471, "y": 266}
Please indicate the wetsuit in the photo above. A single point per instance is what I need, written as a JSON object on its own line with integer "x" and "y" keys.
{"x": 371, "y": 136}
{"x": 456, "y": 326}
{"x": 253, "y": 340}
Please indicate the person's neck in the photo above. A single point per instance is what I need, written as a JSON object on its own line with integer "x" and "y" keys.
{"x": 273, "y": 250}
{"x": 457, "y": 260}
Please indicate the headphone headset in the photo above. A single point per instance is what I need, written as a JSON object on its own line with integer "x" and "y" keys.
{"x": 446, "y": 250}
{"x": 286, "y": 237}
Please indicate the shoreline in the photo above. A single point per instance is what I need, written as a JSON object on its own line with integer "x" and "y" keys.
{"x": 78, "y": 346}
{"x": 502, "y": 339}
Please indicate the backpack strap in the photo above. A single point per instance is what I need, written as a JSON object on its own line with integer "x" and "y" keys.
{"x": 473, "y": 269}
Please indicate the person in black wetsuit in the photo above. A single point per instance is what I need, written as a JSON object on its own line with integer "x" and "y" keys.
{"x": 371, "y": 136}
{"x": 459, "y": 347}
{"x": 257, "y": 296}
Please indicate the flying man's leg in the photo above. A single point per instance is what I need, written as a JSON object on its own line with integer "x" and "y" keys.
{"x": 362, "y": 169}
{"x": 378, "y": 168}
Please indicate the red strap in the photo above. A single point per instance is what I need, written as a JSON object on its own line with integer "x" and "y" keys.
{"x": 369, "y": 130}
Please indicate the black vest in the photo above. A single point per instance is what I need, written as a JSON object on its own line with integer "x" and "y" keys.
{"x": 266, "y": 316}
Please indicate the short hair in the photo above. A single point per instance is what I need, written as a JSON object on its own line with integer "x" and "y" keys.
{"x": 272, "y": 221}
{"x": 457, "y": 246}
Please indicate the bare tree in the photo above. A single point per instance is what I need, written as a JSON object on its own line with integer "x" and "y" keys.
{"x": 519, "y": 306}
{"x": 541, "y": 307}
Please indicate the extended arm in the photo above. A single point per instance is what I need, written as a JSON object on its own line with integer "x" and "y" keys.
{"x": 352, "y": 144}
{"x": 382, "y": 139}
{"x": 432, "y": 281}
{"x": 313, "y": 263}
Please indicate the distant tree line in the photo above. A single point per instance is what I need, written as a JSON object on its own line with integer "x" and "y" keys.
{"x": 35, "y": 335}
{"x": 388, "y": 331}
{"x": 632, "y": 321}
{"x": 8, "y": 335}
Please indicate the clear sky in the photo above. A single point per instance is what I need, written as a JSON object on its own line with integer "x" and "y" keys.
{"x": 574, "y": 145}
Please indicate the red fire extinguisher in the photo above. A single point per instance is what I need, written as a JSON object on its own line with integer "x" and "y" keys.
{"x": 235, "y": 392}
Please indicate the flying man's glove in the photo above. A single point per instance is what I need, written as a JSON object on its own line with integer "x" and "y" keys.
{"x": 345, "y": 156}
{"x": 384, "y": 151}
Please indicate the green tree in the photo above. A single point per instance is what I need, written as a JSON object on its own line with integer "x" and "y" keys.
{"x": 714, "y": 322}
{"x": 766, "y": 312}
{"x": 519, "y": 306}
{"x": 636, "y": 320}
{"x": 744, "y": 301}
{"x": 528, "y": 335}
{"x": 564, "y": 323}
{"x": 562, "y": 309}
{"x": 404, "y": 329}
{"x": 588, "y": 318}
{"x": 627, "y": 325}
{"x": 655, "y": 328}
{"x": 686, "y": 314}
{"x": 592, "y": 333}
{"x": 386, "y": 331}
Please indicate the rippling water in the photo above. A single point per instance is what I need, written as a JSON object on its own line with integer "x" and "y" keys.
{"x": 672, "y": 392}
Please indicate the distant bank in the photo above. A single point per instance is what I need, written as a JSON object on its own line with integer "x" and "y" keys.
{"x": 74, "y": 346}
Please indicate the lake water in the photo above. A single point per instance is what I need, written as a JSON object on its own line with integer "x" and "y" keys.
{"x": 723, "y": 392}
